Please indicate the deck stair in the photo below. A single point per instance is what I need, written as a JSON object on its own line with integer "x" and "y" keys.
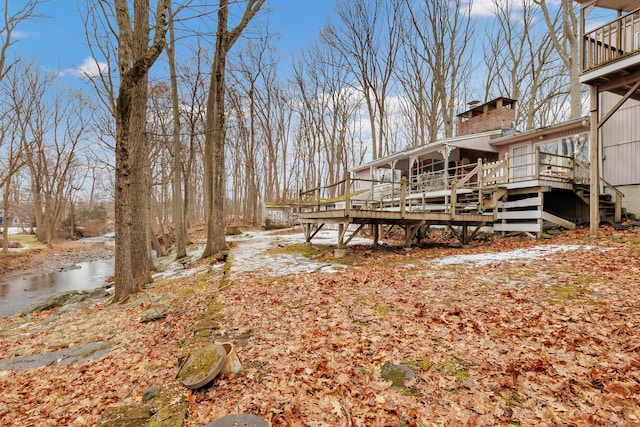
{"x": 607, "y": 203}
{"x": 527, "y": 215}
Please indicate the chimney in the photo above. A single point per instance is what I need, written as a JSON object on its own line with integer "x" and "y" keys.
{"x": 485, "y": 117}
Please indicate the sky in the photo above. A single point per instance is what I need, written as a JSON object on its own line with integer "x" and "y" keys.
{"x": 57, "y": 40}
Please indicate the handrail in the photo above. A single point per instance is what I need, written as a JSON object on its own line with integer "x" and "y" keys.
{"x": 610, "y": 42}
{"x": 604, "y": 182}
{"x": 480, "y": 178}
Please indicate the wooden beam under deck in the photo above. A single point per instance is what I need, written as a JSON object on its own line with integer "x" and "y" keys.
{"x": 409, "y": 221}
{"x": 359, "y": 216}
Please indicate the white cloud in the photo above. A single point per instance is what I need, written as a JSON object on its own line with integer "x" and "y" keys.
{"x": 484, "y": 8}
{"x": 89, "y": 68}
{"x": 20, "y": 34}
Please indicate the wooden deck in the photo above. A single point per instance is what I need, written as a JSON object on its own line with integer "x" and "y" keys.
{"x": 462, "y": 202}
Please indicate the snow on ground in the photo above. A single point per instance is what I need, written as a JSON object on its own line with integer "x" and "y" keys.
{"x": 254, "y": 253}
{"x": 14, "y": 230}
{"x": 169, "y": 268}
{"x": 524, "y": 254}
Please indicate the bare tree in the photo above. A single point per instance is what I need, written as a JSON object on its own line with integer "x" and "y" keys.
{"x": 135, "y": 58}
{"x": 419, "y": 101}
{"x": 329, "y": 109}
{"x": 193, "y": 113}
{"x": 11, "y": 160}
{"x": 521, "y": 62}
{"x": 368, "y": 36}
{"x": 177, "y": 214}
{"x": 32, "y": 117}
{"x": 563, "y": 30}
{"x": 214, "y": 166}
{"x": 12, "y": 15}
{"x": 445, "y": 32}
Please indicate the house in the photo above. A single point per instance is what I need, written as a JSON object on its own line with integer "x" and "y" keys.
{"x": 610, "y": 66}
{"x": 15, "y": 217}
{"x": 488, "y": 175}
{"x": 278, "y": 215}
{"x": 580, "y": 171}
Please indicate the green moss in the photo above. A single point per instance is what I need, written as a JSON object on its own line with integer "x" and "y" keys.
{"x": 399, "y": 262}
{"x": 213, "y": 310}
{"x": 420, "y": 363}
{"x": 364, "y": 371}
{"x": 410, "y": 391}
{"x": 28, "y": 241}
{"x": 200, "y": 364}
{"x": 452, "y": 367}
{"x": 303, "y": 249}
{"x": 567, "y": 292}
{"x": 397, "y": 374}
{"x": 383, "y": 310}
{"x": 632, "y": 240}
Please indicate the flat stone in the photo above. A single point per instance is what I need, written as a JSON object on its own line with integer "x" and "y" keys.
{"x": 155, "y": 312}
{"x": 164, "y": 405}
{"x": 339, "y": 253}
{"x": 57, "y": 300}
{"x": 124, "y": 416}
{"x": 238, "y": 420}
{"x": 202, "y": 366}
{"x": 398, "y": 374}
{"x": 150, "y": 393}
{"x": 64, "y": 357}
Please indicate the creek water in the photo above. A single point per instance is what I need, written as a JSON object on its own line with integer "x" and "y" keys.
{"x": 18, "y": 293}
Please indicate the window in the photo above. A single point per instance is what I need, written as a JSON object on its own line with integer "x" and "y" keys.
{"x": 547, "y": 151}
{"x": 637, "y": 44}
{"x": 520, "y": 162}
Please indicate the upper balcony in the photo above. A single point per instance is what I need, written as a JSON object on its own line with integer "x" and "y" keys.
{"x": 610, "y": 52}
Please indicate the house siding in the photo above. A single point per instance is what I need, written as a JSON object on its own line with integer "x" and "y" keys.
{"x": 621, "y": 142}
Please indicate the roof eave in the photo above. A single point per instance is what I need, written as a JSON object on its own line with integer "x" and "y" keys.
{"x": 527, "y": 135}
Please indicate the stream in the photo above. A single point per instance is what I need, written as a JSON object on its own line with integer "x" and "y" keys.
{"x": 18, "y": 293}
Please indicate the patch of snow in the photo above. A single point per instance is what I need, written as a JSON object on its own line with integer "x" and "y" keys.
{"x": 169, "y": 268}
{"x": 254, "y": 253}
{"x": 14, "y": 230}
{"x": 524, "y": 254}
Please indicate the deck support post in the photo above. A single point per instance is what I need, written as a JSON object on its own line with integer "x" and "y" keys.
{"x": 407, "y": 236}
{"x": 307, "y": 233}
{"x": 354, "y": 234}
{"x": 540, "y": 220}
{"x": 474, "y": 233}
{"x": 341, "y": 230}
{"x": 341, "y": 250}
{"x": 594, "y": 164}
{"x": 376, "y": 234}
{"x": 465, "y": 235}
{"x": 409, "y": 233}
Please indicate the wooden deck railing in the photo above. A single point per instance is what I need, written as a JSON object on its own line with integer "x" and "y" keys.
{"x": 444, "y": 190}
{"x": 611, "y": 42}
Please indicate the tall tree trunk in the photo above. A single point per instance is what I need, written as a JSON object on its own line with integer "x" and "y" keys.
{"x": 176, "y": 181}
{"x": 214, "y": 167}
{"x": 135, "y": 57}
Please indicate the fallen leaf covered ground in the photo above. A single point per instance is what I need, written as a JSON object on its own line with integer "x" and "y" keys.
{"x": 535, "y": 341}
